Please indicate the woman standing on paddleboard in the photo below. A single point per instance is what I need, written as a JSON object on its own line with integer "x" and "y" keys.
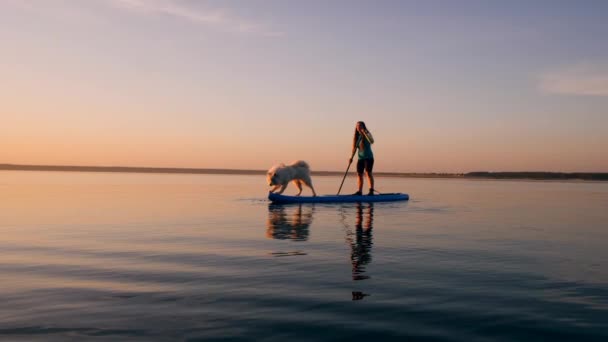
{"x": 363, "y": 140}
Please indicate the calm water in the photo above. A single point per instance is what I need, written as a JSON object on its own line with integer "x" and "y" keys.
{"x": 206, "y": 257}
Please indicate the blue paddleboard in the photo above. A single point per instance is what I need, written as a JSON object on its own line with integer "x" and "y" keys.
{"x": 276, "y": 198}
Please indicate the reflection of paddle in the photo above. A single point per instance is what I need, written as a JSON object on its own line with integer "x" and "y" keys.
{"x": 350, "y": 161}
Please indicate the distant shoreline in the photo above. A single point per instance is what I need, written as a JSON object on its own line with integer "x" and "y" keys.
{"x": 470, "y": 175}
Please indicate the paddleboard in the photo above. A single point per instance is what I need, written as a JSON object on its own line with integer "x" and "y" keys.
{"x": 276, "y": 198}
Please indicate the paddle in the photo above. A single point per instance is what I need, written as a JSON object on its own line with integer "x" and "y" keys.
{"x": 350, "y": 161}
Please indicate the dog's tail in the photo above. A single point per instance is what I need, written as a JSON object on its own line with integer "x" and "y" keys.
{"x": 300, "y": 163}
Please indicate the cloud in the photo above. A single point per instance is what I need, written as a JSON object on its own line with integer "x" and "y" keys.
{"x": 580, "y": 79}
{"x": 219, "y": 19}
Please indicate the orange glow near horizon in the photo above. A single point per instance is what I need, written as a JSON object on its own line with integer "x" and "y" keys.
{"x": 391, "y": 156}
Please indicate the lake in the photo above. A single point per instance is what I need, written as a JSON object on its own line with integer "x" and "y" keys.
{"x": 125, "y": 256}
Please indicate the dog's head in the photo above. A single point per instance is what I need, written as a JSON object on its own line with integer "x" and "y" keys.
{"x": 274, "y": 175}
{"x": 271, "y": 177}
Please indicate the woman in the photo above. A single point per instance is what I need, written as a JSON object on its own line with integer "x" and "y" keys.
{"x": 363, "y": 141}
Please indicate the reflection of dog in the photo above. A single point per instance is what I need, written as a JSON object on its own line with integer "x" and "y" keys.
{"x": 288, "y": 223}
{"x": 298, "y": 172}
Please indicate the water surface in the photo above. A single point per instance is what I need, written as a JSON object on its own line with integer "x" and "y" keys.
{"x": 104, "y": 256}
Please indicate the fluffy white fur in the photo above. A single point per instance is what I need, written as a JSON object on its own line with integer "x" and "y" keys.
{"x": 280, "y": 175}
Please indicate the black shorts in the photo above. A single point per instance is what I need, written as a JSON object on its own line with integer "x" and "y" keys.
{"x": 365, "y": 164}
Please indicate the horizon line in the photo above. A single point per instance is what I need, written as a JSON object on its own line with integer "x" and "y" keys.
{"x": 183, "y": 170}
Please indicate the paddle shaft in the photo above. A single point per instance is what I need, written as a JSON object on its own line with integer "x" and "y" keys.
{"x": 350, "y": 161}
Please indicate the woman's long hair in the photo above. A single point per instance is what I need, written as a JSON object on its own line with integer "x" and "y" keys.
{"x": 357, "y": 134}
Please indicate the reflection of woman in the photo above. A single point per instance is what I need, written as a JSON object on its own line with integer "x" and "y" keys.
{"x": 362, "y": 244}
{"x": 282, "y": 226}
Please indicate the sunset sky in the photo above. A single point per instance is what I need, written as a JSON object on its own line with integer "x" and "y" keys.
{"x": 444, "y": 86}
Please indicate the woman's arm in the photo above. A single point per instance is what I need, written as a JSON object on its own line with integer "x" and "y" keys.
{"x": 368, "y": 135}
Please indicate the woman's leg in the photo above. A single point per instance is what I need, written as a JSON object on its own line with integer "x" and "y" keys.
{"x": 360, "y": 170}
{"x": 370, "y": 181}
{"x": 369, "y": 166}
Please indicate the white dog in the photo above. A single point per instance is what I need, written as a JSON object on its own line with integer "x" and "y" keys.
{"x": 298, "y": 172}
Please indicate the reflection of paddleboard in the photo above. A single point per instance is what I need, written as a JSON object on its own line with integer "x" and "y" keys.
{"x": 276, "y": 198}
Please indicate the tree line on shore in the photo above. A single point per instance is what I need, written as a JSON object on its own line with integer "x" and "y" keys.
{"x": 537, "y": 175}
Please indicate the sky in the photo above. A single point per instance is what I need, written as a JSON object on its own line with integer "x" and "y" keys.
{"x": 444, "y": 86}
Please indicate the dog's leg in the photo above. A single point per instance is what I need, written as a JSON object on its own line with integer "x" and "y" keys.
{"x": 274, "y": 188}
{"x": 283, "y": 187}
{"x": 308, "y": 183}
{"x": 298, "y": 185}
